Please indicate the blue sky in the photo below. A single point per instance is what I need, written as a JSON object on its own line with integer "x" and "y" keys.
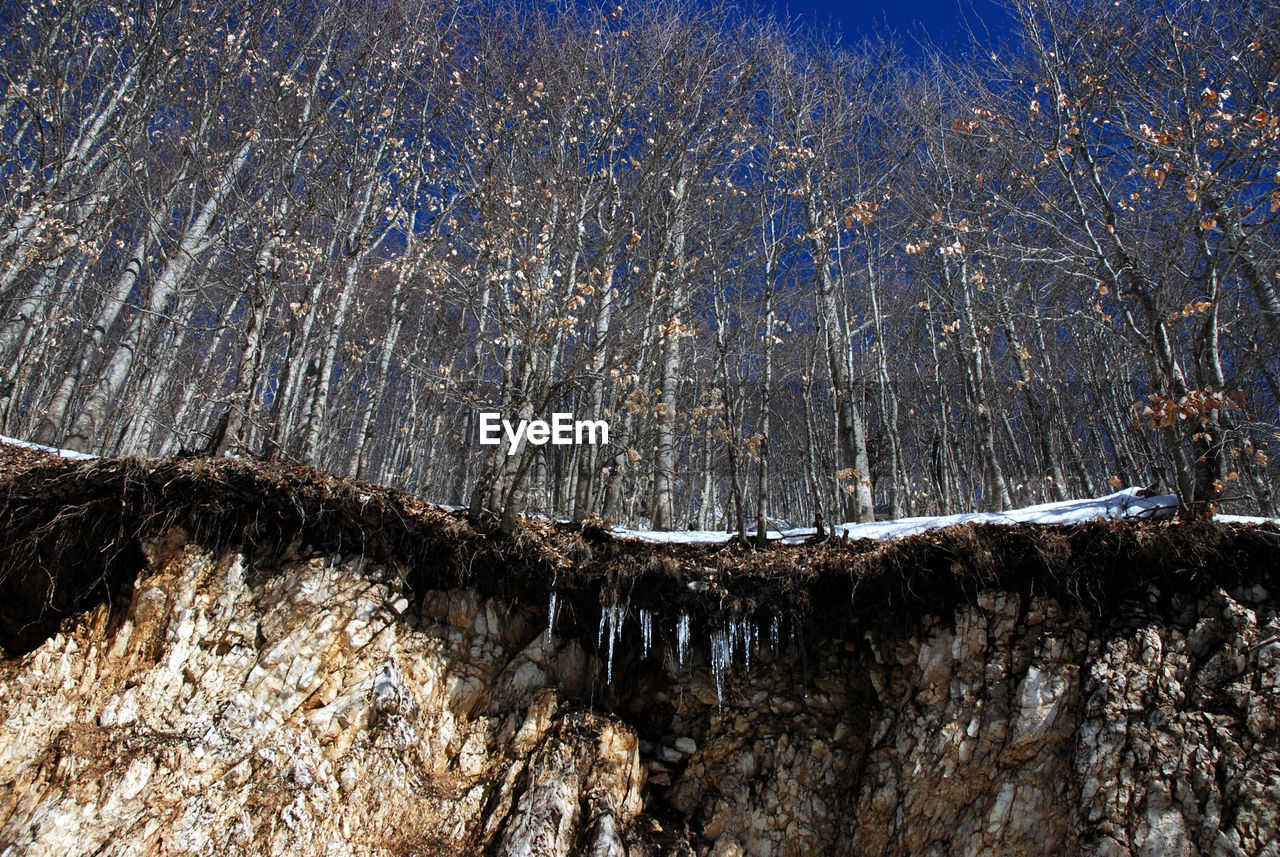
{"x": 942, "y": 20}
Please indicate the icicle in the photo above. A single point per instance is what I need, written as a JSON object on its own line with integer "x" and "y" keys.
{"x": 614, "y": 614}
{"x": 775, "y": 632}
{"x": 552, "y": 606}
{"x": 609, "y": 669}
{"x": 682, "y": 639}
{"x": 748, "y": 635}
{"x": 646, "y": 632}
{"x": 721, "y": 657}
{"x": 729, "y": 637}
{"x": 604, "y": 615}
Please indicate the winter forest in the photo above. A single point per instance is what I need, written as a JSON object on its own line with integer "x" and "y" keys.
{"x": 797, "y": 276}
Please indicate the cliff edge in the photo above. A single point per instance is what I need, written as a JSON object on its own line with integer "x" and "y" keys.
{"x": 223, "y": 657}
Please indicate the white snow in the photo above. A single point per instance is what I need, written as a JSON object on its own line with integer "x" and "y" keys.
{"x": 65, "y": 453}
{"x": 1244, "y": 519}
{"x": 685, "y": 537}
{"x": 1127, "y": 504}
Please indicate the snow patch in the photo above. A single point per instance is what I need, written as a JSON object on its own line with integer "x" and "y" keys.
{"x": 1244, "y": 519}
{"x": 1128, "y": 504}
{"x": 63, "y": 453}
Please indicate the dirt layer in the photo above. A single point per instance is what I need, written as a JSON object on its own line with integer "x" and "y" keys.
{"x": 73, "y": 534}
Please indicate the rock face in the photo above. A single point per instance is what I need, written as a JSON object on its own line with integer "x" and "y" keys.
{"x": 315, "y": 706}
{"x": 303, "y": 714}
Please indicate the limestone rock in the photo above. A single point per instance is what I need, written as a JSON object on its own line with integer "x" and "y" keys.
{"x": 318, "y": 708}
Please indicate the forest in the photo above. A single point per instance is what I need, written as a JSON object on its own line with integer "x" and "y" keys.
{"x": 800, "y": 278}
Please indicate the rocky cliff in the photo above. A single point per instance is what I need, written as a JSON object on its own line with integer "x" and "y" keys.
{"x": 232, "y": 659}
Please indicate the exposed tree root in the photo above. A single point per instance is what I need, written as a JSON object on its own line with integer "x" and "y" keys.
{"x": 74, "y": 533}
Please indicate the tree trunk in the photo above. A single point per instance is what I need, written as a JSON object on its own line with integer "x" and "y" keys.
{"x": 195, "y": 242}
{"x": 588, "y": 457}
{"x": 762, "y": 462}
{"x": 850, "y": 430}
{"x": 1041, "y": 426}
{"x": 662, "y": 511}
